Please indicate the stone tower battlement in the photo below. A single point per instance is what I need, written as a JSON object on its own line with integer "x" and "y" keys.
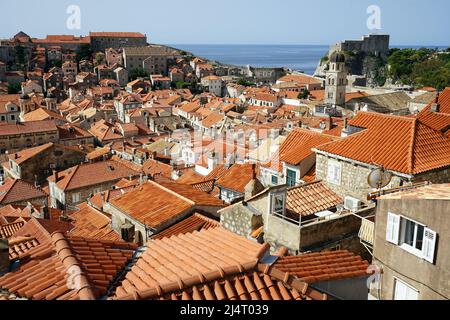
{"x": 377, "y": 44}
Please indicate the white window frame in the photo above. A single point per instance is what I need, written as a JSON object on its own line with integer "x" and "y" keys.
{"x": 411, "y": 249}
{"x": 395, "y": 233}
{"x": 411, "y": 290}
{"x": 334, "y": 172}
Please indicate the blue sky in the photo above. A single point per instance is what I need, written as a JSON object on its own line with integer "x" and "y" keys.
{"x": 410, "y": 22}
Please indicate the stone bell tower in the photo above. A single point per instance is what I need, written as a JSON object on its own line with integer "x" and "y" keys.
{"x": 336, "y": 80}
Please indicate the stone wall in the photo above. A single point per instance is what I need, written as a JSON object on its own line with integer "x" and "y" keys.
{"x": 281, "y": 233}
{"x": 39, "y": 166}
{"x": 340, "y": 233}
{"x": 14, "y": 143}
{"x": 376, "y": 44}
{"x": 237, "y": 219}
{"x": 353, "y": 179}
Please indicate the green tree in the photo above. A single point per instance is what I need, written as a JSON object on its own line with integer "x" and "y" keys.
{"x": 14, "y": 88}
{"x": 138, "y": 73}
{"x": 304, "y": 94}
{"x": 245, "y": 83}
{"x": 19, "y": 52}
{"x": 84, "y": 52}
{"x": 99, "y": 58}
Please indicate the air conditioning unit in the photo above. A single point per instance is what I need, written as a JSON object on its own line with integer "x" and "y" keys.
{"x": 353, "y": 204}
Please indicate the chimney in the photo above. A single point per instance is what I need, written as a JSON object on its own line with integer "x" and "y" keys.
{"x": 63, "y": 217}
{"x": 329, "y": 123}
{"x": 254, "y": 176}
{"x": 251, "y": 189}
{"x": 345, "y": 123}
{"x": 154, "y": 155}
{"x": 55, "y": 175}
{"x": 4, "y": 256}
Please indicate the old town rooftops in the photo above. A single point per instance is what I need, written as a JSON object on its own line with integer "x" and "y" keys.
{"x": 399, "y": 144}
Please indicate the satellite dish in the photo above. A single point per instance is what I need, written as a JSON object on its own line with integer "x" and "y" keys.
{"x": 379, "y": 178}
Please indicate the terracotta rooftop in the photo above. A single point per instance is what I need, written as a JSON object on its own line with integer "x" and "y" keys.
{"x": 190, "y": 177}
{"x": 71, "y": 131}
{"x": 400, "y": 144}
{"x": 311, "y": 198}
{"x": 297, "y": 147}
{"x": 91, "y": 264}
{"x": 20, "y": 246}
{"x": 27, "y": 127}
{"x": 92, "y": 174}
{"x": 300, "y": 79}
{"x": 196, "y": 222}
{"x": 323, "y": 266}
{"x": 13, "y": 191}
{"x": 187, "y": 258}
{"x": 117, "y": 34}
{"x": 153, "y": 167}
{"x": 237, "y": 177}
{"x": 90, "y": 223}
{"x": 8, "y": 230}
{"x": 262, "y": 283}
{"x": 42, "y": 114}
{"x": 156, "y": 204}
{"x": 26, "y": 154}
{"x": 439, "y": 120}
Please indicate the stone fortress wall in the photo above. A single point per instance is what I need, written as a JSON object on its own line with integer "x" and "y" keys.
{"x": 377, "y": 44}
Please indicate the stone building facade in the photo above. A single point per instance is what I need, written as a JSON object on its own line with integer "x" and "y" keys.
{"x": 15, "y": 137}
{"x": 39, "y": 166}
{"x": 101, "y": 41}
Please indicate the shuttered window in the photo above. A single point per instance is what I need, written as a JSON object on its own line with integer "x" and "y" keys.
{"x": 393, "y": 228}
{"x": 429, "y": 245}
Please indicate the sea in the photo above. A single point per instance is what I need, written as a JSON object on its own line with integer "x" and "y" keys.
{"x": 303, "y": 58}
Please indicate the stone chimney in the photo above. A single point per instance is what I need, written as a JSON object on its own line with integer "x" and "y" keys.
{"x": 4, "y": 256}
{"x": 435, "y": 107}
{"x": 345, "y": 123}
{"x": 55, "y": 175}
{"x": 328, "y": 123}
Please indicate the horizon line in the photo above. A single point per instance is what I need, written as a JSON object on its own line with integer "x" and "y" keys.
{"x": 288, "y": 44}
